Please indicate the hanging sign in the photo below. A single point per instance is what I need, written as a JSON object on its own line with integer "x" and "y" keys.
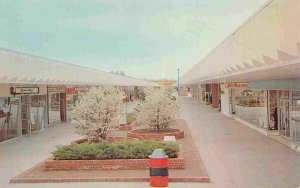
{"x": 237, "y": 85}
{"x": 25, "y": 90}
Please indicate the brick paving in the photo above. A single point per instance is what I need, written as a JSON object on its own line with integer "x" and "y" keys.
{"x": 194, "y": 172}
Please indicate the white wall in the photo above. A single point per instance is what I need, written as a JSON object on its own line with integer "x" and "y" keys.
{"x": 225, "y": 100}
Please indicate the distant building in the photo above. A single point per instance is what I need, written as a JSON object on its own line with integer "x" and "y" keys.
{"x": 166, "y": 83}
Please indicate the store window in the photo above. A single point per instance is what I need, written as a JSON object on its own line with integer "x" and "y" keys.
{"x": 72, "y": 97}
{"x": 54, "y": 107}
{"x": 38, "y": 111}
{"x": 295, "y": 117}
{"x": 8, "y": 118}
{"x": 273, "y": 110}
{"x": 251, "y": 106}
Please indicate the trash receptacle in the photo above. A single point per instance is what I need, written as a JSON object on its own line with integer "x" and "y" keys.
{"x": 159, "y": 175}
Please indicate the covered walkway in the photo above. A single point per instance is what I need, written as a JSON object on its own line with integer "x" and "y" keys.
{"x": 237, "y": 156}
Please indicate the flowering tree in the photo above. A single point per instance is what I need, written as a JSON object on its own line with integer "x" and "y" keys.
{"x": 98, "y": 112}
{"x": 159, "y": 110}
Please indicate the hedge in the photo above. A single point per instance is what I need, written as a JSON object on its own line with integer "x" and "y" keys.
{"x": 130, "y": 118}
{"x": 119, "y": 150}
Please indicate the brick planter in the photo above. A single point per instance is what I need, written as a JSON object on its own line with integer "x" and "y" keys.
{"x": 143, "y": 134}
{"x": 113, "y": 164}
{"x": 126, "y": 127}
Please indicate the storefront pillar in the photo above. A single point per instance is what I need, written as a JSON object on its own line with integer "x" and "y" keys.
{"x": 215, "y": 95}
{"x": 63, "y": 107}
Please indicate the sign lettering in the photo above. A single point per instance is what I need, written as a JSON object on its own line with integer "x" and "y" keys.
{"x": 26, "y": 90}
{"x": 237, "y": 85}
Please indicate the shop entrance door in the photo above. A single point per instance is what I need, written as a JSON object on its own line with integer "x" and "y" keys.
{"x": 284, "y": 114}
{"x": 208, "y": 98}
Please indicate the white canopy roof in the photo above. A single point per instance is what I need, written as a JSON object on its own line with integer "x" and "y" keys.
{"x": 269, "y": 39}
{"x": 18, "y": 68}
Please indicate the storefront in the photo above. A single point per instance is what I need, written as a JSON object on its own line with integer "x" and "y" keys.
{"x": 295, "y": 119}
{"x": 284, "y": 114}
{"x": 271, "y": 107}
{"x": 194, "y": 91}
{"x": 208, "y": 94}
{"x": 22, "y": 110}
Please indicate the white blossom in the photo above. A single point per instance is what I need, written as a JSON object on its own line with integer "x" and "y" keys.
{"x": 98, "y": 112}
{"x": 159, "y": 110}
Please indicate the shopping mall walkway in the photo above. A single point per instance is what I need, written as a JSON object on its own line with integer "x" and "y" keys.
{"x": 237, "y": 156}
{"x": 234, "y": 155}
{"x": 22, "y": 153}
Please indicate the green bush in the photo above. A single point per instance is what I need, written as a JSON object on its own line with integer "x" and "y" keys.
{"x": 130, "y": 118}
{"x": 117, "y": 150}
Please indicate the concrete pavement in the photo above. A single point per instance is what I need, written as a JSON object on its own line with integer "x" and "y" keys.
{"x": 22, "y": 153}
{"x": 237, "y": 156}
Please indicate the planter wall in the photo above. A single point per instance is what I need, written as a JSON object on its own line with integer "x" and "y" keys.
{"x": 114, "y": 164}
{"x": 159, "y": 136}
{"x": 126, "y": 127}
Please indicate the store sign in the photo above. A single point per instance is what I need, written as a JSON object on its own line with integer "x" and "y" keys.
{"x": 25, "y": 90}
{"x": 238, "y": 85}
{"x": 56, "y": 89}
{"x": 71, "y": 91}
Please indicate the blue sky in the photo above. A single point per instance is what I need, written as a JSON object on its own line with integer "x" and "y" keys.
{"x": 146, "y": 39}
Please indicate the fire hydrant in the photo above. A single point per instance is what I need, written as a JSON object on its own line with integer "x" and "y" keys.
{"x": 159, "y": 175}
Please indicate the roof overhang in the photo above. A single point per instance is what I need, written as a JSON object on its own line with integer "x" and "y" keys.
{"x": 270, "y": 72}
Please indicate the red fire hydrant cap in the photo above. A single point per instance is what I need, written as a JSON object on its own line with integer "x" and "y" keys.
{"x": 158, "y": 154}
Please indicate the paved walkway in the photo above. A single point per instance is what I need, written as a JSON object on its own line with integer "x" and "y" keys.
{"x": 237, "y": 156}
{"x": 22, "y": 153}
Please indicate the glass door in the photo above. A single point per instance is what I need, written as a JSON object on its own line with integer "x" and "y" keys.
{"x": 284, "y": 122}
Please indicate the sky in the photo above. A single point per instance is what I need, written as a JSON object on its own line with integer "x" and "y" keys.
{"x": 145, "y": 39}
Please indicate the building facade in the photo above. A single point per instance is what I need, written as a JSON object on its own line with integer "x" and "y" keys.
{"x": 255, "y": 73}
{"x": 37, "y": 92}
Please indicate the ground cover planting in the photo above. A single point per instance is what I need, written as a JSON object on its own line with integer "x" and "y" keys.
{"x": 116, "y": 150}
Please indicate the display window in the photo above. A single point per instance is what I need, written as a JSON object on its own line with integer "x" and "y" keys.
{"x": 54, "y": 107}
{"x": 273, "y": 110}
{"x": 33, "y": 113}
{"x": 251, "y": 106}
{"x": 295, "y": 117}
{"x": 284, "y": 107}
{"x": 38, "y": 111}
{"x": 8, "y": 118}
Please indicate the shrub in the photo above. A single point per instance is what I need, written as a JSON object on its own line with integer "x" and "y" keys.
{"x": 130, "y": 118}
{"x": 117, "y": 150}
